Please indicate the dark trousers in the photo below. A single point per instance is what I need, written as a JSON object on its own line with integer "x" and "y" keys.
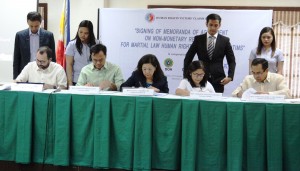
{"x": 219, "y": 88}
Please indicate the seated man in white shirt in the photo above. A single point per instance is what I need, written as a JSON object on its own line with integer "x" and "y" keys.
{"x": 44, "y": 71}
{"x": 262, "y": 81}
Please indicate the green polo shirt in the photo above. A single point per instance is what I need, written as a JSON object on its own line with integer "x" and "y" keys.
{"x": 110, "y": 72}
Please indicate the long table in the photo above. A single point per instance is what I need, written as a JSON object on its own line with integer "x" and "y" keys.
{"x": 140, "y": 133}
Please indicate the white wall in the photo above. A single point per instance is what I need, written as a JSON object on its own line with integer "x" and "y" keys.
{"x": 13, "y": 19}
{"x": 80, "y": 10}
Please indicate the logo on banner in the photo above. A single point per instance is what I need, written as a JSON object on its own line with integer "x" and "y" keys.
{"x": 168, "y": 64}
{"x": 150, "y": 17}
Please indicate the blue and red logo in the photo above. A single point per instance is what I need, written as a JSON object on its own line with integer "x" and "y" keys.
{"x": 150, "y": 17}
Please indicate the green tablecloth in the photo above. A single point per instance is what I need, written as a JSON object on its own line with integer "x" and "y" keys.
{"x": 141, "y": 133}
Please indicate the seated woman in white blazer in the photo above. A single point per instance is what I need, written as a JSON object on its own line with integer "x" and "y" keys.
{"x": 195, "y": 80}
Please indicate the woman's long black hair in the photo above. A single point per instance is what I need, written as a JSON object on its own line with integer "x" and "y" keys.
{"x": 151, "y": 59}
{"x": 91, "y": 39}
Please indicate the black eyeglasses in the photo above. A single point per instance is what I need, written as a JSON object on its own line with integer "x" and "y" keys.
{"x": 198, "y": 75}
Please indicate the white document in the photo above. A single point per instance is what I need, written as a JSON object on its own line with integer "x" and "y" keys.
{"x": 5, "y": 86}
{"x": 247, "y": 93}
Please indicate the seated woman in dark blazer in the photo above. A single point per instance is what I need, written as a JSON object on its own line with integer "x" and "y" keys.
{"x": 148, "y": 74}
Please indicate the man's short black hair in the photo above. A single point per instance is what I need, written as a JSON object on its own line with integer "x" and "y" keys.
{"x": 97, "y": 48}
{"x": 262, "y": 61}
{"x": 34, "y": 16}
{"x": 213, "y": 17}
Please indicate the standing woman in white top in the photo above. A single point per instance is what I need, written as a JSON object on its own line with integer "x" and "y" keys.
{"x": 267, "y": 49}
{"x": 195, "y": 80}
{"x": 78, "y": 51}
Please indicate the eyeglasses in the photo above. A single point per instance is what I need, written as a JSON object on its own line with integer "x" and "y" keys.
{"x": 198, "y": 75}
{"x": 258, "y": 73}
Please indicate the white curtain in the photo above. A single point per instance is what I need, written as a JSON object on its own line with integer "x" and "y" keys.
{"x": 287, "y": 32}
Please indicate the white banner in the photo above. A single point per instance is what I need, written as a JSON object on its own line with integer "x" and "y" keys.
{"x": 168, "y": 33}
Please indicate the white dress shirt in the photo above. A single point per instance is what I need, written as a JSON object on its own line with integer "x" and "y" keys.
{"x": 53, "y": 75}
{"x": 273, "y": 84}
{"x": 185, "y": 85}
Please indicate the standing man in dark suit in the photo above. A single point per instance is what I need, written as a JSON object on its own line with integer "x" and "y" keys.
{"x": 211, "y": 48}
{"x": 28, "y": 41}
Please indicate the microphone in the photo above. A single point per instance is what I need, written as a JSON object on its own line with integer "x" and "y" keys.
{"x": 57, "y": 90}
{"x": 140, "y": 84}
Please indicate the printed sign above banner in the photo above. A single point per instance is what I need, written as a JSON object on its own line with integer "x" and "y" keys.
{"x": 168, "y": 33}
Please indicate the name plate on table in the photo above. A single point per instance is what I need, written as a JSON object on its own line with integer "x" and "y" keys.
{"x": 265, "y": 98}
{"x": 138, "y": 91}
{"x": 84, "y": 90}
{"x": 204, "y": 95}
{"x": 35, "y": 87}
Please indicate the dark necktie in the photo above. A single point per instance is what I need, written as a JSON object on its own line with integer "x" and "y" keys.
{"x": 211, "y": 46}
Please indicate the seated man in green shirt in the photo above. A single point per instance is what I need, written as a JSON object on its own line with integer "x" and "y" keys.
{"x": 100, "y": 73}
